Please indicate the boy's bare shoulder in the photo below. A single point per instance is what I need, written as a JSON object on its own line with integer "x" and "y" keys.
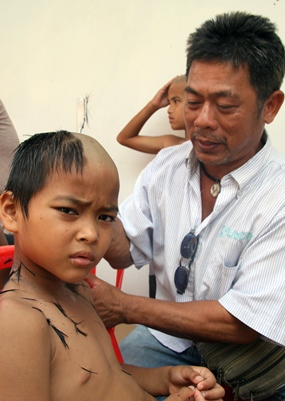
{"x": 17, "y": 313}
{"x": 26, "y": 312}
{"x": 25, "y": 341}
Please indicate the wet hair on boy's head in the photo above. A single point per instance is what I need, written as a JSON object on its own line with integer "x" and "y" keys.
{"x": 39, "y": 156}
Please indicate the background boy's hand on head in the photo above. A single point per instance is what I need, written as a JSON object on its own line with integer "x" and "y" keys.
{"x": 171, "y": 95}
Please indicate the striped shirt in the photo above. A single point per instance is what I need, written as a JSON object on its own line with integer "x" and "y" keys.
{"x": 240, "y": 259}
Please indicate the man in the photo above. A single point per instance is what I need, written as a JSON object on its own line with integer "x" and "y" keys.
{"x": 210, "y": 214}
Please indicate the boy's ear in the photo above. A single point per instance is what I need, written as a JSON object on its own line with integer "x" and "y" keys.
{"x": 8, "y": 211}
{"x": 272, "y": 106}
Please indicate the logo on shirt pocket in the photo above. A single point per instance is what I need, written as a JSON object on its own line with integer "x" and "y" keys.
{"x": 237, "y": 235}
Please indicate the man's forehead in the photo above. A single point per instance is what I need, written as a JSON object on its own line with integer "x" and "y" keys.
{"x": 218, "y": 78}
{"x": 217, "y": 65}
{"x": 225, "y": 92}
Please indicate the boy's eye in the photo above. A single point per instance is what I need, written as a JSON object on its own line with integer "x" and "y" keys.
{"x": 67, "y": 210}
{"x": 106, "y": 218}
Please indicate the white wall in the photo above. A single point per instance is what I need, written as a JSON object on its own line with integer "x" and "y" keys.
{"x": 118, "y": 52}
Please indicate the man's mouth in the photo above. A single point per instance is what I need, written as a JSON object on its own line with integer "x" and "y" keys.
{"x": 202, "y": 145}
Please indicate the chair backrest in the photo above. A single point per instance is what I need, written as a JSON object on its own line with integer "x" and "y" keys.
{"x": 6, "y": 256}
{"x": 6, "y": 261}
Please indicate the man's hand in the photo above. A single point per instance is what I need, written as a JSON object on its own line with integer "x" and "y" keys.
{"x": 108, "y": 300}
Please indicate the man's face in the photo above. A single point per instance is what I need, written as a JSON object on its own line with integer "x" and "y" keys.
{"x": 221, "y": 114}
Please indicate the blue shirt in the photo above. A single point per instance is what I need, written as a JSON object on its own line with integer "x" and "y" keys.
{"x": 240, "y": 259}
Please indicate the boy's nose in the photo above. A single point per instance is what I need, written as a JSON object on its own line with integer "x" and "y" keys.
{"x": 88, "y": 233}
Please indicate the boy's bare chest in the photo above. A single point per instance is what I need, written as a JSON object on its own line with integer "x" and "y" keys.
{"x": 82, "y": 360}
{"x": 86, "y": 363}
{"x": 83, "y": 365}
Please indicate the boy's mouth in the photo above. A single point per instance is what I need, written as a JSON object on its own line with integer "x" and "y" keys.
{"x": 82, "y": 258}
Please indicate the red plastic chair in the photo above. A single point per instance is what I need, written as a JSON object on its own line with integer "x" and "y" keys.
{"x": 6, "y": 261}
{"x": 6, "y": 256}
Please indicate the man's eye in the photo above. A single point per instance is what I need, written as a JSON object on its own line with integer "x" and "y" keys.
{"x": 193, "y": 104}
{"x": 67, "y": 210}
{"x": 106, "y": 218}
{"x": 226, "y": 106}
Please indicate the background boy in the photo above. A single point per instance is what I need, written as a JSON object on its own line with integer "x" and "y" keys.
{"x": 172, "y": 95}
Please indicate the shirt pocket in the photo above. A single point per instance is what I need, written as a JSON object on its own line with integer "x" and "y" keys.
{"x": 217, "y": 279}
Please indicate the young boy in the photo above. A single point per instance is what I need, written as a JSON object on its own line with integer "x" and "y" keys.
{"x": 171, "y": 94}
{"x": 60, "y": 202}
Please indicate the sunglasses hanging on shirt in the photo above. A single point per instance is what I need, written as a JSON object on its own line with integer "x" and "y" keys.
{"x": 187, "y": 251}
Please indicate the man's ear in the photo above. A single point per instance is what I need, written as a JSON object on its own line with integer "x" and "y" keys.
{"x": 272, "y": 106}
{"x": 8, "y": 211}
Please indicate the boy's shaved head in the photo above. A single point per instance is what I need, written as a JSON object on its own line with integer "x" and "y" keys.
{"x": 51, "y": 152}
{"x": 179, "y": 80}
{"x": 92, "y": 148}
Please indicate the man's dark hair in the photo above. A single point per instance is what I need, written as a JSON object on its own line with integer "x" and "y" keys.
{"x": 37, "y": 157}
{"x": 242, "y": 39}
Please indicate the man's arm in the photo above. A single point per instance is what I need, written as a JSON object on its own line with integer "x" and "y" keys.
{"x": 196, "y": 320}
{"x": 118, "y": 254}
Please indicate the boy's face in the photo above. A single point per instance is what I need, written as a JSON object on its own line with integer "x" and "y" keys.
{"x": 176, "y": 98}
{"x": 70, "y": 222}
